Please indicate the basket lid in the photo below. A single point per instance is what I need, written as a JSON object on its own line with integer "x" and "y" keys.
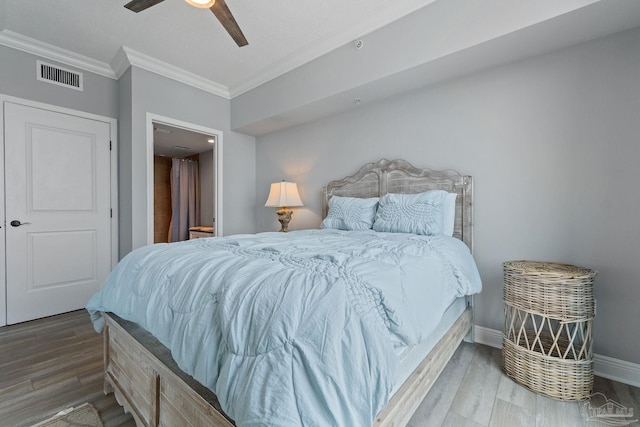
{"x": 551, "y": 269}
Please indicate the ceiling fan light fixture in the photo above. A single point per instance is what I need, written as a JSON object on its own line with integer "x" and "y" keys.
{"x": 203, "y": 4}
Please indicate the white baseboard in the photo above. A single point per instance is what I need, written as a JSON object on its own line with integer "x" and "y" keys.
{"x": 603, "y": 366}
{"x": 617, "y": 370}
{"x": 490, "y": 337}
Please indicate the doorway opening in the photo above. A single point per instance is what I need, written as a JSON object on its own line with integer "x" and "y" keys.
{"x": 196, "y": 210}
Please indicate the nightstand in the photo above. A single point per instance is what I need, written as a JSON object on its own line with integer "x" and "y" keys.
{"x": 548, "y": 314}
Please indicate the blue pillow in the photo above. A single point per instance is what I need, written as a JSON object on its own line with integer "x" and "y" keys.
{"x": 350, "y": 213}
{"x": 449, "y": 214}
{"x": 420, "y": 213}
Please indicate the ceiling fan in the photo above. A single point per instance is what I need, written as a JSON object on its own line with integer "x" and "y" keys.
{"x": 218, "y": 7}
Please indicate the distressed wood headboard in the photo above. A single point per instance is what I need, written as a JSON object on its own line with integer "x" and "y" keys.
{"x": 399, "y": 176}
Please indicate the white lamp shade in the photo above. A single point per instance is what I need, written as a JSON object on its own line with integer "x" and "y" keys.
{"x": 283, "y": 194}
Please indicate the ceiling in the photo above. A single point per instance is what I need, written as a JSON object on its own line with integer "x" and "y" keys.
{"x": 282, "y": 34}
{"x": 306, "y": 45}
{"x": 176, "y": 142}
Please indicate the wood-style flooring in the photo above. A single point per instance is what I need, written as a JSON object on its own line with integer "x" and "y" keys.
{"x": 51, "y": 364}
{"x": 473, "y": 391}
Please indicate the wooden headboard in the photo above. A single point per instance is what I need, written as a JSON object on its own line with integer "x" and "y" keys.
{"x": 399, "y": 176}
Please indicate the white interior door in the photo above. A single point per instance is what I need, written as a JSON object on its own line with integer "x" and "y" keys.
{"x": 3, "y": 287}
{"x": 57, "y": 192}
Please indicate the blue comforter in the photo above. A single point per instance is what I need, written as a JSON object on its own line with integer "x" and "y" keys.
{"x": 291, "y": 329}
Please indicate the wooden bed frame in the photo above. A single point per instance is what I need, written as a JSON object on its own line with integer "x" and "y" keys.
{"x": 147, "y": 382}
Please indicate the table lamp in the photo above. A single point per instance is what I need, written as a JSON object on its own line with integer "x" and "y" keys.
{"x": 282, "y": 195}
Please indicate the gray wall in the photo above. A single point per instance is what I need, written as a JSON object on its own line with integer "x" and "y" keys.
{"x": 552, "y": 144}
{"x": 125, "y": 166}
{"x": 152, "y": 93}
{"x": 18, "y": 78}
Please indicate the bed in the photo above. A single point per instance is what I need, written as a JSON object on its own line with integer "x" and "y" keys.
{"x": 148, "y": 382}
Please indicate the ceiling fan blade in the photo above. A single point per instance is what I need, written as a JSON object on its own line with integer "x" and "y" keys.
{"x": 222, "y": 12}
{"x": 140, "y": 5}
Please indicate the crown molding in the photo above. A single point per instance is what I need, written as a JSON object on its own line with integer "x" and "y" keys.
{"x": 126, "y": 57}
{"x": 384, "y": 15}
{"x": 36, "y": 47}
{"x": 120, "y": 63}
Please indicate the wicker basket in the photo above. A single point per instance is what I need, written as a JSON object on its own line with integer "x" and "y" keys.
{"x": 547, "y": 337}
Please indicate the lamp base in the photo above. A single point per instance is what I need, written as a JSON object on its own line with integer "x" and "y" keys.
{"x": 284, "y": 216}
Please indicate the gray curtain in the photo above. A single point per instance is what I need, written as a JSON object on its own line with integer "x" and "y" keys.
{"x": 185, "y": 198}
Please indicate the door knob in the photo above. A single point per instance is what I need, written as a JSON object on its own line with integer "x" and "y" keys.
{"x": 16, "y": 223}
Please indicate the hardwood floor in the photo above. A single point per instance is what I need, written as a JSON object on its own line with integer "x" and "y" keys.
{"x": 473, "y": 391}
{"x": 51, "y": 364}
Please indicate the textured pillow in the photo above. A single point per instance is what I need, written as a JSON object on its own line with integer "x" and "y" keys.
{"x": 449, "y": 214}
{"x": 350, "y": 213}
{"x": 420, "y": 213}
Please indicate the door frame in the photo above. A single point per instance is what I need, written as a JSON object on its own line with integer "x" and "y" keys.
{"x": 113, "y": 137}
{"x": 217, "y": 153}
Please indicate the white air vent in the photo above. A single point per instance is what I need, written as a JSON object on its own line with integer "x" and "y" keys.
{"x": 59, "y": 76}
